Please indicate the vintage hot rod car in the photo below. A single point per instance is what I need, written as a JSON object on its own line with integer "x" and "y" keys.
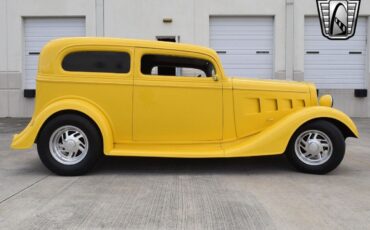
{"x": 123, "y": 97}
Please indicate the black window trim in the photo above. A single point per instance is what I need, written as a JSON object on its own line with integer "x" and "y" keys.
{"x": 152, "y": 52}
{"x": 100, "y": 49}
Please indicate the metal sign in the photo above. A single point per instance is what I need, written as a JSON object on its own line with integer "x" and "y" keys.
{"x": 338, "y": 18}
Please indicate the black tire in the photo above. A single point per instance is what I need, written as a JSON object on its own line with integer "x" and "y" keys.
{"x": 338, "y": 148}
{"x": 94, "y": 147}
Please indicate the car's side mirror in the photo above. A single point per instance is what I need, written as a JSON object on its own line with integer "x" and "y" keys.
{"x": 214, "y": 77}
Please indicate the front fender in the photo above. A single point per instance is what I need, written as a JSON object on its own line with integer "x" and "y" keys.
{"x": 274, "y": 139}
{"x": 27, "y": 137}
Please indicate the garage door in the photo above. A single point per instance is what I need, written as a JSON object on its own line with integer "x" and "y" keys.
{"x": 38, "y": 31}
{"x": 335, "y": 64}
{"x": 245, "y": 45}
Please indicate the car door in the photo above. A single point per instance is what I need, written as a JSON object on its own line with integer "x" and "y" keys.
{"x": 169, "y": 107}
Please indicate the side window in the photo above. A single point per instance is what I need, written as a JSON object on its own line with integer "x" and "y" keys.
{"x": 97, "y": 61}
{"x": 166, "y": 65}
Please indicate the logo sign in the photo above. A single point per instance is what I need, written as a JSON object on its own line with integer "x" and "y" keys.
{"x": 338, "y": 18}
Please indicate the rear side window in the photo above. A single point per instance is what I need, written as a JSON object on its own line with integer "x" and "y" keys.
{"x": 97, "y": 61}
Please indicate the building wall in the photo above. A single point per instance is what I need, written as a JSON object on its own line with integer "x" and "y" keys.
{"x": 143, "y": 19}
{"x": 343, "y": 98}
{"x": 12, "y": 12}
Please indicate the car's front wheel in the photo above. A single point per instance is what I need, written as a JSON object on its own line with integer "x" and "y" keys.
{"x": 69, "y": 145}
{"x": 317, "y": 147}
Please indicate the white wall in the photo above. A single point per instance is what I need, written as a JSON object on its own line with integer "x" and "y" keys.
{"x": 3, "y": 62}
{"x": 11, "y": 25}
{"x": 143, "y": 19}
{"x": 343, "y": 99}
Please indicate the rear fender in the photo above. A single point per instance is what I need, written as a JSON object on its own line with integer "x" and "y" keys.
{"x": 27, "y": 137}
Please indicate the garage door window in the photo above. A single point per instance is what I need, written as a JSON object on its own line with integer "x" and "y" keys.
{"x": 97, "y": 61}
{"x": 164, "y": 65}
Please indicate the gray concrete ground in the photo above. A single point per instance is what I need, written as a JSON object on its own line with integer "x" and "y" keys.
{"x": 150, "y": 193}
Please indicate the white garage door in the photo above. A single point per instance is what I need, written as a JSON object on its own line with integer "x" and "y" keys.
{"x": 335, "y": 64}
{"x": 245, "y": 44}
{"x": 37, "y": 32}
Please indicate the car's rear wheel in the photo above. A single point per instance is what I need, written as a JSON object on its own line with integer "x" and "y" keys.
{"x": 69, "y": 144}
{"x": 317, "y": 147}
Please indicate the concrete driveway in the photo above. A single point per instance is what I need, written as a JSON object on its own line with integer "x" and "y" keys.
{"x": 150, "y": 193}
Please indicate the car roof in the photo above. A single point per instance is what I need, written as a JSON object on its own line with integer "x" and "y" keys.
{"x": 51, "y": 50}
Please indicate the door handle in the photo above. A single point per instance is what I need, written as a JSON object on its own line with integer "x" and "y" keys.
{"x": 262, "y": 52}
{"x": 354, "y": 52}
{"x": 34, "y": 53}
{"x": 221, "y": 51}
{"x": 313, "y": 52}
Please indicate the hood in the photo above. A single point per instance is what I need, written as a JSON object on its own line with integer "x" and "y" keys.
{"x": 271, "y": 85}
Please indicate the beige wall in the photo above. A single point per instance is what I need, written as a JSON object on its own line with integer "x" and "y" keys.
{"x": 343, "y": 99}
{"x": 143, "y": 19}
{"x": 12, "y": 102}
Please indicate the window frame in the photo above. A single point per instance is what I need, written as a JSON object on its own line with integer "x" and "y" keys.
{"x": 140, "y": 52}
{"x": 177, "y": 66}
{"x": 85, "y": 55}
{"x": 97, "y": 75}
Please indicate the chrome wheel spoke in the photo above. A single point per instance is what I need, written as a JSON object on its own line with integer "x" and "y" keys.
{"x": 325, "y": 145}
{"x": 68, "y": 145}
{"x": 313, "y": 147}
{"x": 81, "y": 148}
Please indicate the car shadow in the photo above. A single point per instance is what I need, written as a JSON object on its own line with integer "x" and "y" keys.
{"x": 152, "y": 165}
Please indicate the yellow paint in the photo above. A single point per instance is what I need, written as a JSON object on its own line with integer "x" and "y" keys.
{"x": 140, "y": 115}
{"x": 326, "y": 100}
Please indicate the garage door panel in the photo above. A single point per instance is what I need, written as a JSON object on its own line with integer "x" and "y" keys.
{"x": 340, "y": 76}
{"x": 239, "y": 38}
{"x": 32, "y": 59}
{"x": 31, "y": 68}
{"x": 253, "y": 73}
{"x": 316, "y": 30}
{"x": 332, "y": 52}
{"x": 237, "y": 32}
{"x": 333, "y": 59}
{"x": 241, "y": 20}
{"x": 357, "y": 38}
{"x": 242, "y": 59}
{"x": 335, "y": 45}
{"x": 335, "y": 73}
{"x": 337, "y": 86}
{"x": 38, "y": 38}
{"x": 249, "y": 66}
{"x": 246, "y": 44}
{"x": 337, "y": 67}
{"x": 234, "y": 37}
{"x": 41, "y": 24}
{"x": 331, "y": 48}
{"x": 240, "y": 52}
{"x": 57, "y": 32}
{"x": 337, "y": 64}
{"x": 39, "y": 31}
{"x": 361, "y": 31}
{"x": 344, "y": 81}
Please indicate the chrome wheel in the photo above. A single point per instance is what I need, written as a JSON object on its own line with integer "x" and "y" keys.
{"x": 68, "y": 145}
{"x": 313, "y": 147}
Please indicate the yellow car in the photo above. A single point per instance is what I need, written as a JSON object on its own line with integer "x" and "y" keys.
{"x": 123, "y": 97}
